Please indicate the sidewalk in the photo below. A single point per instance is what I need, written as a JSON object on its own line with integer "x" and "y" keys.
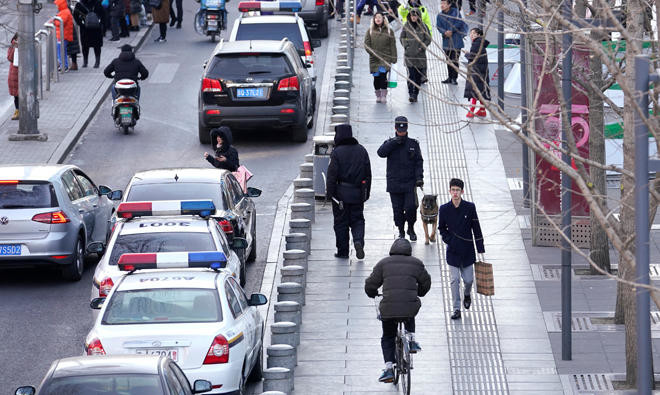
{"x": 501, "y": 344}
{"x": 65, "y": 110}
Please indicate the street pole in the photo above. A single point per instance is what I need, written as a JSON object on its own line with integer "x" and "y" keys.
{"x": 500, "y": 57}
{"x": 523, "y": 105}
{"x": 566, "y": 186}
{"x": 644, "y": 356}
{"x": 27, "y": 94}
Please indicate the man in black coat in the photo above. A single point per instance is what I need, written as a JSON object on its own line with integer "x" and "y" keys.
{"x": 348, "y": 186}
{"x": 226, "y": 156}
{"x": 126, "y": 65}
{"x": 404, "y": 279}
{"x": 405, "y": 171}
{"x": 459, "y": 227}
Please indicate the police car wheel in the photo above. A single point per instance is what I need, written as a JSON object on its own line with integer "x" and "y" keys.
{"x": 253, "y": 251}
{"x": 243, "y": 274}
{"x": 257, "y": 370}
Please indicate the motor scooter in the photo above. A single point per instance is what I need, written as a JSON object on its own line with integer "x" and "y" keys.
{"x": 211, "y": 18}
{"x": 126, "y": 106}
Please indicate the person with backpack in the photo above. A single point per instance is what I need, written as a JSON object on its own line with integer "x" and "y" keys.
{"x": 89, "y": 15}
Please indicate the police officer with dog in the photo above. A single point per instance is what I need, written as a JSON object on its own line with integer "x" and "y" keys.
{"x": 348, "y": 186}
{"x": 405, "y": 171}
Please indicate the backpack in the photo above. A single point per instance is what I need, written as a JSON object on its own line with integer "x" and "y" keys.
{"x": 92, "y": 21}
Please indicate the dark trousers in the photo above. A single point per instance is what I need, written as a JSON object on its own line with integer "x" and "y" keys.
{"x": 352, "y": 216}
{"x": 16, "y": 102}
{"x": 414, "y": 75}
{"x": 380, "y": 81}
{"x": 339, "y": 8}
{"x": 123, "y": 26}
{"x": 388, "y": 340}
{"x": 85, "y": 53}
{"x": 473, "y": 8}
{"x": 163, "y": 29}
{"x": 179, "y": 11}
{"x": 404, "y": 208}
{"x": 452, "y": 62}
{"x": 114, "y": 25}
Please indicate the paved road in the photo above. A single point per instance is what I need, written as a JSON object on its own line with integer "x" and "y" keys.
{"x": 54, "y": 315}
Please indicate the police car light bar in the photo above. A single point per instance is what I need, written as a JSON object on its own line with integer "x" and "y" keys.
{"x": 172, "y": 260}
{"x": 286, "y": 6}
{"x": 203, "y": 208}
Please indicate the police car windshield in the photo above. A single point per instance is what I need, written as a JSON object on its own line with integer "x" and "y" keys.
{"x": 161, "y": 242}
{"x": 164, "y": 305}
{"x": 177, "y": 191}
{"x": 131, "y": 384}
{"x": 271, "y": 31}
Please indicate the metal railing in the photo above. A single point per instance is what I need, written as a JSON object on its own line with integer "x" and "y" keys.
{"x": 46, "y": 56}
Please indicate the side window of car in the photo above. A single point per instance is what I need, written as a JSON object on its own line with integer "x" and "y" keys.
{"x": 232, "y": 300}
{"x": 223, "y": 239}
{"x": 235, "y": 190}
{"x": 182, "y": 378}
{"x": 71, "y": 186}
{"x": 242, "y": 299}
{"x": 87, "y": 185}
{"x": 173, "y": 383}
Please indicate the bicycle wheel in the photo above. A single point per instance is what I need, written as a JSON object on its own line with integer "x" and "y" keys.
{"x": 398, "y": 355}
{"x": 405, "y": 379}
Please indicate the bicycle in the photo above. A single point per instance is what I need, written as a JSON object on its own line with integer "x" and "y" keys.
{"x": 403, "y": 362}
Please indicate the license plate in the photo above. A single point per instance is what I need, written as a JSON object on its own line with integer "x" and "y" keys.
{"x": 250, "y": 92}
{"x": 212, "y": 22}
{"x": 173, "y": 354}
{"x": 10, "y": 249}
{"x": 125, "y": 110}
{"x": 213, "y": 3}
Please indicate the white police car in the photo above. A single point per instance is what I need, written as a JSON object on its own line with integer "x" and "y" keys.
{"x": 198, "y": 317}
{"x": 251, "y": 25}
{"x": 163, "y": 226}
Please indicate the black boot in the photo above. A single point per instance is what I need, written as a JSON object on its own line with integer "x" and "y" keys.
{"x": 411, "y": 233}
{"x": 402, "y": 233}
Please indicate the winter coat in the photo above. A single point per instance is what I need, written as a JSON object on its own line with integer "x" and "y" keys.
{"x": 67, "y": 20}
{"x": 162, "y": 14}
{"x": 13, "y": 72}
{"x": 457, "y": 226}
{"x": 349, "y": 171}
{"x": 477, "y": 70}
{"x": 426, "y": 17}
{"x": 135, "y": 6}
{"x": 405, "y": 164}
{"x": 126, "y": 66}
{"x": 403, "y": 278}
{"x": 89, "y": 38}
{"x": 451, "y": 21}
{"x": 117, "y": 8}
{"x": 381, "y": 46}
{"x": 225, "y": 150}
{"x": 415, "y": 38}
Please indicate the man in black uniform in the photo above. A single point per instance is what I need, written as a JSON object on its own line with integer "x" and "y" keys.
{"x": 348, "y": 185}
{"x": 405, "y": 171}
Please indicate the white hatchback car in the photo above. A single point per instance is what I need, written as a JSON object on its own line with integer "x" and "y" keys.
{"x": 154, "y": 231}
{"x": 198, "y": 317}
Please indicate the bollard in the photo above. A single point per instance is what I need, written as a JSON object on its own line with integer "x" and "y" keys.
{"x": 294, "y": 274}
{"x": 306, "y": 195}
{"x": 306, "y": 170}
{"x": 285, "y": 333}
{"x": 302, "y": 183}
{"x": 342, "y": 85}
{"x": 296, "y": 241}
{"x": 295, "y": 258}
{"x": 282, "y": 356}
{"x": 342, "y": 93}
{"x": 278, "y": 379}
{"x": 344, "y": 70}
{"x": 274, "y": 393}
{"x": 293, "y": 292}
{"x": 309, "y": 158}
{"x": 342, "y": 77}
{"x": 340, "y": 110}
{"x": 339, "y": 118}
{"x": 301, "y": 210}
{"x": 288, "y": 311}
{"x": 302, "y": 226}
{"x": 341, "y": 101}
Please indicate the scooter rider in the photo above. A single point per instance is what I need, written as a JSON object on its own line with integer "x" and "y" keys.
{"x": 126, "y": 65}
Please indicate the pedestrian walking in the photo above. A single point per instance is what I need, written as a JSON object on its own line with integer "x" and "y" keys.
{"x": 405, "y": 171}
{"x": 415, "y": 38}
{"x": 348, "y": 186}
{"x": 453, "y": 29}
{"x": 380, "y": 44}
{"x": 176, "y": 19}
{"x": 478, "y": 80}
{"x": 459, "y": 228}
{"x": 161, "y": 16}
{"x": 226, "y": 156}
{"x": 12, "y": 81}
{"x": 89, "y": 15}
{"x": 404, "y": 280}
{"x": 66, "y": 37}
{"x": 73, "y": 46}
{"x": 117, "y": 15}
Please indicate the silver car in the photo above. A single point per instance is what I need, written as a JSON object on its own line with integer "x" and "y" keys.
{"x": 49, "y": 215}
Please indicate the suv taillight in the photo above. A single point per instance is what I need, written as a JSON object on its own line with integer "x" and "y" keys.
{"x": 226, "y": 226}
{"x": 55, "y": 217}
{"x": 308, "y": 52}
{"x": 288, "y": 84}
{"x": 211, "y": 85}
{"x": 95, "y": 348}
{"x": 105, "y": 287}
{"x": 218, "y": 352}
{"x": 320, "y": 2}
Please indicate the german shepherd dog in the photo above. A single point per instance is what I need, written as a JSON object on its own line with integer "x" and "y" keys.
{"x": 429, "y": 213}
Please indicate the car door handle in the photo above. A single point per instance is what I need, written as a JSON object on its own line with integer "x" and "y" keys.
{"x": 81, "y": 211}
{"x": 95, "y": 205}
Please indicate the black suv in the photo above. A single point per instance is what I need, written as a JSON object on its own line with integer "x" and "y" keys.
{"x": 251, "y": 84}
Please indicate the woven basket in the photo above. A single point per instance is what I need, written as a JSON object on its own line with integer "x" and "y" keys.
{"x": 484, "y": 274}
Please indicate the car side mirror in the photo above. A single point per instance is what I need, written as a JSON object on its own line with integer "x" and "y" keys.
{"x": 257, "y": 300}
{"x": 253, "y": 192}
{"x": 103, "y": 190}
{"x": 97, "y": 303}
{"x": 115, "y": 195}
{"x": 96, "y": 247}
{"x": 308, "y": 65}
{"x": 26, "y": 390}
{"x": 316, "y": 43}
{"x": 206, "y": 62}
{"x": 239, "y": 243}
{"x": 201, "y": 386}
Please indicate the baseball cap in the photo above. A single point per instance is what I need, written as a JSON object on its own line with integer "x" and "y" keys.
{"x": 401, "y": 124}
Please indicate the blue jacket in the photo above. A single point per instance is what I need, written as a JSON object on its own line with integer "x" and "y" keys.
{"x": 451, "y": 21}
{"x": 457, "y": 226}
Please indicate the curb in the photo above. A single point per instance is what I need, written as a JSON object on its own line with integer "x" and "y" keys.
{"x": 71, "y": 139}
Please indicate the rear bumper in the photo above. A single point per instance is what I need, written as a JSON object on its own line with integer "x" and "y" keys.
{"x": 315, "y": 17}
{"x": 252, "y": 117}
{"x": 42, "y": 251}
{"x": 221, "y": 374}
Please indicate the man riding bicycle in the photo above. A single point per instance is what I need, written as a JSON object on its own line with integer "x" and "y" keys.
{"x": 404, "y": 279}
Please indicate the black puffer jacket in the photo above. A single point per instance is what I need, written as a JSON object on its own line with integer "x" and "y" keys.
{"x": 477, "y": 70}
{"x": 405, "y": 164}
{"x": 225, "y": 150}
{"x": 126, "y": 66}
{"x": 349, "y": 172}
{"x": 403, "y": 278}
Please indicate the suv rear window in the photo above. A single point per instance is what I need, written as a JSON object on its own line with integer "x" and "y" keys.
{"x": 271, "y": 31}
{"x": 238, "y": 66}
{"x": 27, "y": 195}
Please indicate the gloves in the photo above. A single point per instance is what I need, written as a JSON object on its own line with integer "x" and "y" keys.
{"x": 420, "y": 183}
